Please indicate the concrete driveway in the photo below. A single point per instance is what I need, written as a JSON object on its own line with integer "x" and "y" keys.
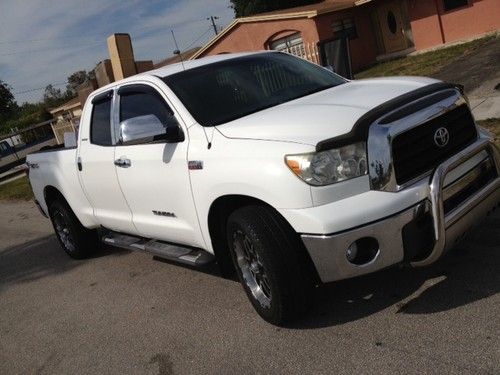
{"x": 479, "y": 72}
{"x": 125, "y": 313}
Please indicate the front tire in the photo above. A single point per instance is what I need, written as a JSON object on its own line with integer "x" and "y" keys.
{"x": 269, "y": 258}
{"x": 76, "y": 240}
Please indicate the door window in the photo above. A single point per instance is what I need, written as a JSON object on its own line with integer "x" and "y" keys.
{"x": 391, "y": 22}
{"x": 146, "y": 102}
{"x": 100, "y": 124}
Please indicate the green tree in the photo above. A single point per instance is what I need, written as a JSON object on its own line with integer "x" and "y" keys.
{"x": 8, "y": 105}
{"x": 26, "y": 115}
{"x": 53, "y": 97}
{"x": 244, "y": 8}
{"x": 13, "y": 116}
{"x": 75, "y": 80}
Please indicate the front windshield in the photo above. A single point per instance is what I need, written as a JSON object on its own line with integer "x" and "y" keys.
{"x": 223, "y": 91}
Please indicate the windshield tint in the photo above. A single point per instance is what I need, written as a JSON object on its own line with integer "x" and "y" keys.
{"x": 220, "y": 92}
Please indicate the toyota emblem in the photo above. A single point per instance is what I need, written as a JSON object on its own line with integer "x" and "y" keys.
{"x": 441, "y": 137}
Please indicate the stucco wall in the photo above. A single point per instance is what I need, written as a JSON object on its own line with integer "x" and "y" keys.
{"x": 252, "y": 36}
{"x": 479, "y": 17}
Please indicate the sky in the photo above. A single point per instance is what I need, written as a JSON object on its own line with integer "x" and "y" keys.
{"x": 42, "y": 42}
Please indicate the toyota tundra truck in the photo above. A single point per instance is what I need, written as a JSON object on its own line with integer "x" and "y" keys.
{"x": 273, "y": 167}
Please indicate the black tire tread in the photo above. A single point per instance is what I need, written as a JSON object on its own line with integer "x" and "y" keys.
{"x": 86, "y": 240}
{"x": 285, "y": 253}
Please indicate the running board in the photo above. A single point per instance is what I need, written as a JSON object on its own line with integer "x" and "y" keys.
{"x": 176, "y": 253}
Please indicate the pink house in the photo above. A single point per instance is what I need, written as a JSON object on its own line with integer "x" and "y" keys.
{"x": 349, "y": 35}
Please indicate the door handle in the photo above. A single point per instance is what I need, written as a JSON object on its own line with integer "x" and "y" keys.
{"x": 123, "y": 163}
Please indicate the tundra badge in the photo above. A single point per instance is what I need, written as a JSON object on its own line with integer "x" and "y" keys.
{"x": 164, "y": 213}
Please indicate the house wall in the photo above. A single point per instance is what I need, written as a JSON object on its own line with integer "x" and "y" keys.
{"x": 363, "y": 49}
{"x": 431, "y": 26}
{"x": 252, "y": 36}
{"x": 479, "y": 17}
{"x": 74, "y": 112}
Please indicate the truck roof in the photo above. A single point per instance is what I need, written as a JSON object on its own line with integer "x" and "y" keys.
{"x": 190, "y": 64}
{"x": 179, "y": 67}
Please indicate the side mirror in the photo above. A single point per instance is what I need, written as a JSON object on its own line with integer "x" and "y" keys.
{"x": 142, "y": 129}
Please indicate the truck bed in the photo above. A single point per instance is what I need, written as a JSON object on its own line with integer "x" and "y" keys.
{"x": 57, "y": 168}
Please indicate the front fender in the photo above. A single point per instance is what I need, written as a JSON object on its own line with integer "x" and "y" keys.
{"x": 252, "y": 168}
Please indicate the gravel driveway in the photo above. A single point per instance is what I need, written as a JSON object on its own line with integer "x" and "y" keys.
{"x": 125, "y": 313}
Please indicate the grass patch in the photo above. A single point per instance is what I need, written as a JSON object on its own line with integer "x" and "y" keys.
{"x": 18, "y": 189}
{"x": 425, "y": 64}
{"x": 493, "y": 125}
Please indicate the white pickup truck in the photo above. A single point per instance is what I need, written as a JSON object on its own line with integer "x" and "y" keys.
{"x": 275, "y": 168}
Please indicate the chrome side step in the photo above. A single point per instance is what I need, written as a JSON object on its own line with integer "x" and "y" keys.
{"x": 176, "y": 253}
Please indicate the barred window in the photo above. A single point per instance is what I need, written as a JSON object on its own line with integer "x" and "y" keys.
{"x": 292, "y": 44}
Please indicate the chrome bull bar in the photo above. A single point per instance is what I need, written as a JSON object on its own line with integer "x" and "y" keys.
{"x": 441, "y": 222}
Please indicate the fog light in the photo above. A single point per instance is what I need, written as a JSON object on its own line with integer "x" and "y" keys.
{"x": 362, "y": 251}
{"x": 352, "y": 252}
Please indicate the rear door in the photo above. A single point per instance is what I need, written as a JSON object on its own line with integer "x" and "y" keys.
{"x": 392, "y": 26}
{"x": 96, "y": 156}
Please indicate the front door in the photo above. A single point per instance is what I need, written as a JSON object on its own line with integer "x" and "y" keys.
{"x": 392, "y": 25}
{"x": 156, "y": 183}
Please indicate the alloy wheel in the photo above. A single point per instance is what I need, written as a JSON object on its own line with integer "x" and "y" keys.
{"x": 63, "y": 231}
{"x": 252, "y": 269}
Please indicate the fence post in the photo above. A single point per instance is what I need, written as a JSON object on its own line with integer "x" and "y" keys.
{"x": 14, "y": 147}
{"x": 52, "y": 125}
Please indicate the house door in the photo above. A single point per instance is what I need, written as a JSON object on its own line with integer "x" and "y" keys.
{"x": 392, "y": 25}
{"x": 335, "y": 56}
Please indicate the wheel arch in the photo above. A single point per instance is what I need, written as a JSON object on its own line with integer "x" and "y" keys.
{"x": 220, "y": 210}
{"x": 84, "y": 212}
{"x": 51, "y": 193}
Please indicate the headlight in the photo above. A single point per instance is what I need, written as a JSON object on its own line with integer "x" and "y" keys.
{"x": 328, "y": 167}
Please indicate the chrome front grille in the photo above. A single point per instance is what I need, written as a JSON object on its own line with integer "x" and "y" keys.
{"x": 401, "y": 142}
{"x": 416, "y": 152}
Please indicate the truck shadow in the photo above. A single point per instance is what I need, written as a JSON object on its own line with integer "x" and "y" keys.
{"x": 39, "y": 258}
{"x": 468, "y": 273}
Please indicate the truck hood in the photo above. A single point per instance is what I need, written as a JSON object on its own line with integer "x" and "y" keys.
{"x": 322, "y": 115}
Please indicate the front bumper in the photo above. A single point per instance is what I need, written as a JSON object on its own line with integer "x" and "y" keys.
{"x": 328, "y": 252}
